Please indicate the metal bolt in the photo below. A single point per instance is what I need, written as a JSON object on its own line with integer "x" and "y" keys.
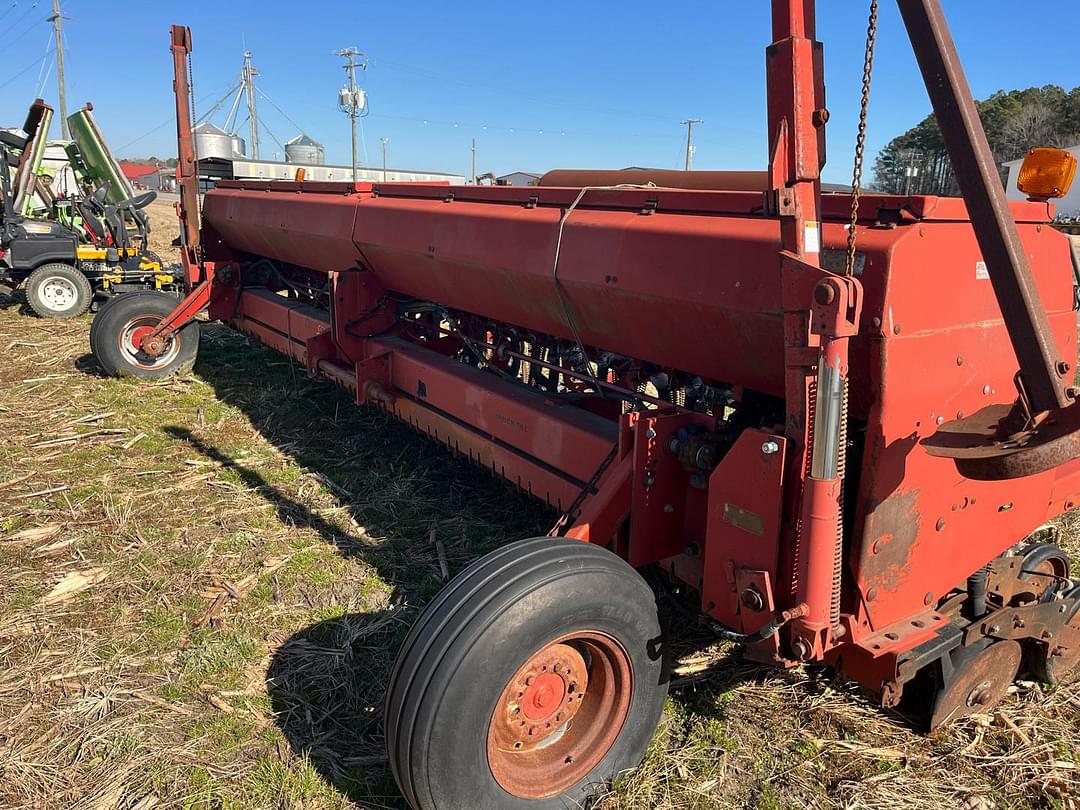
{"x": 994, "y": 629}
{"x": 753, "y": 599}
{"x": 940, "y": 419}
{"x": 987, "y": 389}
{"x": 960, "y": 360}
{"x": 940, "y": 524}
{"x": 1063, "y": 368}
{"x": 650, "y": 434}
{"x": 650, "y": 479}
{"x": 668, "y": 508}
{"x": 928, "y": 598}
{"x": 871, "y": 595}
{"x": 896, "y": 329}
{"x": 770, "y": 447}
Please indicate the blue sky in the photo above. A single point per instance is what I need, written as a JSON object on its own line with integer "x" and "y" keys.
{"x": 591, "y": 83}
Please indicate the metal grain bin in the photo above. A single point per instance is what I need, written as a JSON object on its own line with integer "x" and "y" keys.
{"x": 305, "y": 150}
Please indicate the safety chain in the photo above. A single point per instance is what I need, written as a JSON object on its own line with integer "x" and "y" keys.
{"x": 860, "y": 141}
{"x": 590, "y": 488}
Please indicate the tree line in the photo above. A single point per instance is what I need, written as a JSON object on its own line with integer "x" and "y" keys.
{"x": 1015, "y": 121}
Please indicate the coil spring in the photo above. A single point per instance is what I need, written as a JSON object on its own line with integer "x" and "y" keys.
{"x": 841, "y": 470}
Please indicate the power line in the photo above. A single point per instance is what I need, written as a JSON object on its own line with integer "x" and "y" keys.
{"x": 21, "y": 72}
{"x": 170, "y": 120}
{"x": 284, "y": 115}
{"x": 9, "y": 44}
{"x": 521, "y": 130}
{"x": 509, "y": 91}
{"x": 11, "y": 8}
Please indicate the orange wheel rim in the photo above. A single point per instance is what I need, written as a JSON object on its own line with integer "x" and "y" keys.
{"x": 559, "y": 715}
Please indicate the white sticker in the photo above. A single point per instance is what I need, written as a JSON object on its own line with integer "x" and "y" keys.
{"x": 980, "y": 270}
{"x": 812, "y": 237}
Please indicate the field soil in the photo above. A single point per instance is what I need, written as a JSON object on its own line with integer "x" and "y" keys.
{"x": 205, "y": 581}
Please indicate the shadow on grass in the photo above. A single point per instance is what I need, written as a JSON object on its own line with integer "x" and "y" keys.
{"x": 327, "y": 681}
{"x": 326, "y": 685}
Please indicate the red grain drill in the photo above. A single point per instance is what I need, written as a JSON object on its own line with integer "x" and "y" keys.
{"x": 832, "y": 447}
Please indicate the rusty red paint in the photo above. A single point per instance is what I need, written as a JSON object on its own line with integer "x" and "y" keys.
{"x": 559, "y": 714}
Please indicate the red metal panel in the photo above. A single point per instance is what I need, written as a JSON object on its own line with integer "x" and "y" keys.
{"x": 942, "y": 351}
{"x": 568, "y": 438}
{"x": 744, "y": 511}
{"x": 306, "y": 227}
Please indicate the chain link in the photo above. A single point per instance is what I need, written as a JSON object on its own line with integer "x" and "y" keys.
{"x": 589, "y": 489}
{"x": 860, "y": 141}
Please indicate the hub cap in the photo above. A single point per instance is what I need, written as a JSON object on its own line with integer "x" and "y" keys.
{"x": 559, "y": 715}
{"x": 58, "y": 294}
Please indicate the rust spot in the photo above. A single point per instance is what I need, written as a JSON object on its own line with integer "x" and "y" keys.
{"x": 893, "y": 527}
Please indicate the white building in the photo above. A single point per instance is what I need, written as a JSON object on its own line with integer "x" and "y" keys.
{"x": 1067, "y": 206}
{"x": 517, "y": 179}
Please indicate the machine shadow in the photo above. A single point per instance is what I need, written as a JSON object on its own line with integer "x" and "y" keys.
{"x": 327, "y": 681}
{"x": 326, "y": 685}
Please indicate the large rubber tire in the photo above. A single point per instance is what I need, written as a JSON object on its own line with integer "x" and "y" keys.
{"x": 58, "y": 290}
{"x": 471, "y": 643}
{"x": 111, "y": 337}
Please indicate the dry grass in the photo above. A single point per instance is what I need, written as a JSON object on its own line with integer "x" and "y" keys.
{"x": 205, "y": 581}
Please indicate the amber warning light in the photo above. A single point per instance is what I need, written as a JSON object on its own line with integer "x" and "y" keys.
{"x": 1047, "y": 173}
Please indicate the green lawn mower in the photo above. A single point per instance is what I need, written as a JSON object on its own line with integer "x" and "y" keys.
{"x": 68, "y": 249}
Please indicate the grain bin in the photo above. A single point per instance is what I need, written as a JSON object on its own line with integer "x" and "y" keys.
{"x": 305, "y": 150}
{"x": 214, "y": 142}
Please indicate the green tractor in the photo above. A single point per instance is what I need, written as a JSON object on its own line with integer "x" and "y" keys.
{"x": 68, "y": 249}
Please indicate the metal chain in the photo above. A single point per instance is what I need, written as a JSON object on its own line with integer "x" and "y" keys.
{"x": 860, "y": 141}
{"x": 586, "y": 491}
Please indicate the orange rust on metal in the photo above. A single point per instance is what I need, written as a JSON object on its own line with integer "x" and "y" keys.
{"x": 981, "y": 680}
{"x": 559, "y": 715}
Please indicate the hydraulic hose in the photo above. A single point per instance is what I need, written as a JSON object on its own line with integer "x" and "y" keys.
{"x": 768, "y": 630}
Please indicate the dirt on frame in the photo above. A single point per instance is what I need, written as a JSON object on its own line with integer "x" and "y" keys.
{"x": 205, "y": 580}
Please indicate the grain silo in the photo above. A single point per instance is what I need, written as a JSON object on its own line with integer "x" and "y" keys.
{"x": 305, "y": 150}
{"x": 213, "y": 142}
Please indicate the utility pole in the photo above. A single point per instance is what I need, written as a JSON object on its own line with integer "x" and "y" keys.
{"x": 248, "y": 75}
{"x": 384, "y": 142}
{"x": 56, "y": 18}
{"x": 911, "y": 172}
{"x": 473, "y": 178}
{"x": 351, "y": 100}
{"x": 689, "y": 124}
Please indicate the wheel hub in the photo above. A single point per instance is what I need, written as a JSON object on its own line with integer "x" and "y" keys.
{"x": 549, "y": 690}
{"x": 559, "y": 715}
{"x": 58, "y": 294}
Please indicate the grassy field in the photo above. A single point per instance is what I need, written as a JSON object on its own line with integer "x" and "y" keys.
{"x": 205, "y": 581}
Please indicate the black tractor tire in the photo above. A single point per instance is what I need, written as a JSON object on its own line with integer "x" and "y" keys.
{"x": 114, "y": 328}
{"x": 58, "y": 290}
{"x": 453, "y": 688}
